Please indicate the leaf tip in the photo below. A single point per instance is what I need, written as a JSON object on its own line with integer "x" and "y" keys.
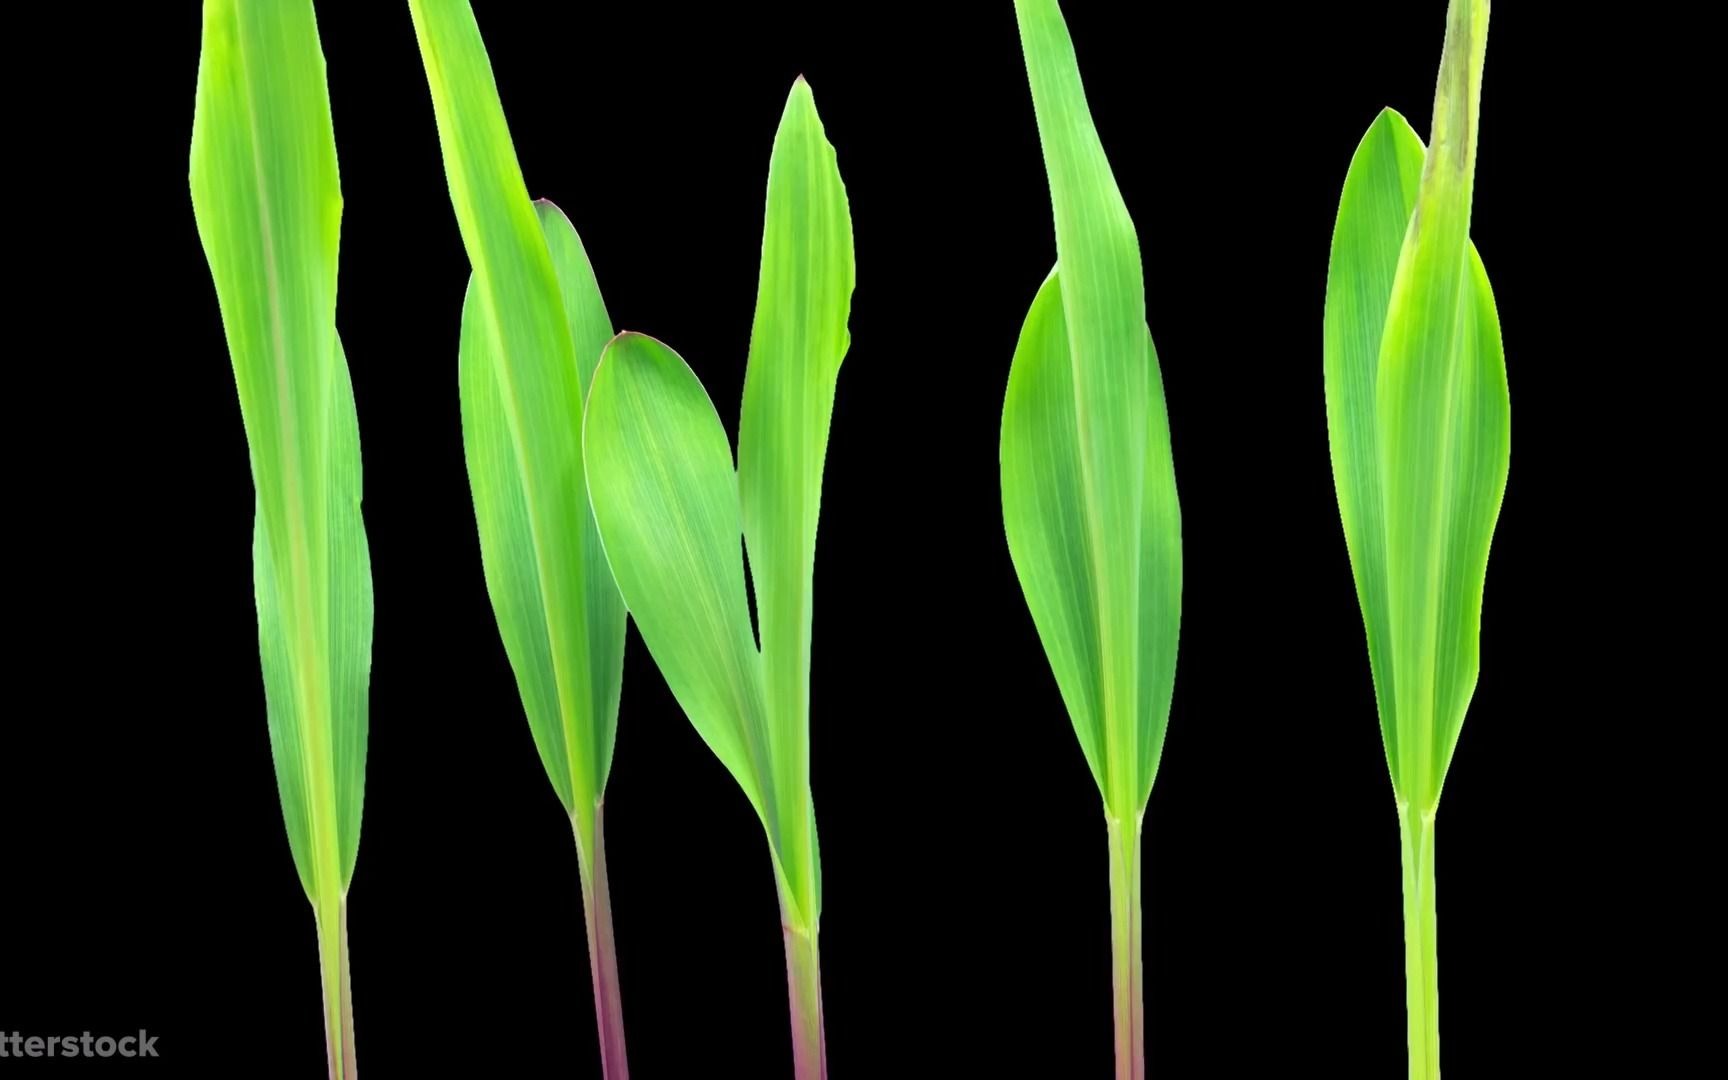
{"x": 1389, "y": 115}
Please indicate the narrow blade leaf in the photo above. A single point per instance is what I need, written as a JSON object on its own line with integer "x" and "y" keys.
{"x": 797, "y": 342}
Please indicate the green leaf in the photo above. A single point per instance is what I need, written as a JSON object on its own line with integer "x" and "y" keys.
{"x": 666, "y": 499}
{"x": 1042, "y": 503}
{"x": 533, "y": 327}
{"x": 1088, "y": 486}
{"x": 797, "y": 341}
{"x": 1419, "y": 422}
{"x": 670, "y": 507}
{"x": 268, "y": 205}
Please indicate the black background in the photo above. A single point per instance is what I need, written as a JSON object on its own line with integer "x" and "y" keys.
{"x": 965, "y": 932}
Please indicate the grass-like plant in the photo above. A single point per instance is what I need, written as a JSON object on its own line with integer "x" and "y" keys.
{"x": 269, "y": 210}
{"x": 1089, "y": 491}
{"x": 1417, "y": 406}
{"x": 669, "y": 505}
{"x": 533, "y": 329}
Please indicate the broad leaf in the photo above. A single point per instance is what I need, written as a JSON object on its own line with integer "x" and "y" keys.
{"x": 1043, "y": 508}
{"x": 666, "y": 499}
{"x": 1447, "y": 458}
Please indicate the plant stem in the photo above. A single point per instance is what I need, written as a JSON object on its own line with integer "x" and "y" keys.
{"x": 804, "y": 994}
{"x": 338, "y": 993}
{"x": 602, "y": 952}
{"x": 1421, "y": 980}
{"x": 1126, "y": 967}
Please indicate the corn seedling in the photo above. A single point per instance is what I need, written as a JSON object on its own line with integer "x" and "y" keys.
{"x": 1417, "y": 406}
{"x": 269, "y": 209}
{"x": 669, "y": 505}
{"x": 1089, "y": 490}
{"x": 533, "y": 329}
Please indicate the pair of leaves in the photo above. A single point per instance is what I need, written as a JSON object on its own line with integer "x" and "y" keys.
{"x": 1418, "y": 412}
{"x": 1088, "y": 486}
{"x": 533, "y": 329}
{"x": 670, "y": 506}
{"x": 268, "y": 204}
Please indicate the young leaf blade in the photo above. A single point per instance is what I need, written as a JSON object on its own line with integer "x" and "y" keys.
{"x": 666, "y": 499}
{"x": 569, "y": 747}
{"x": 797, "y": 342}
{"x": 522, "y": 323}
{"x": 1427, "y": 357}
{"x": 1042, "y": 498}
{"x": 1129, "y": 519}
{"x": 1380, "y": 195}
{"x": 267, "y": 200}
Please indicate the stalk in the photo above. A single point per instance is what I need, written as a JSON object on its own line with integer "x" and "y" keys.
{"x": 602, "y": 953}
{"x": 804, "y": 996}
{"x": 1127, "y": 968}
{"x": 1421, "y": 976}
{"x": 338, "y": 991}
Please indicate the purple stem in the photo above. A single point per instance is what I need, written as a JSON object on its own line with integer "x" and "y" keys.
{"x": 1125, "y": 934}
{"x": 602, "y": 952}
{"x": 804, "y": 994}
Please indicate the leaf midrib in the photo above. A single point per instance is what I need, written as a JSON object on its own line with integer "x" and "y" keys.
{"x": 314, "y": 714}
